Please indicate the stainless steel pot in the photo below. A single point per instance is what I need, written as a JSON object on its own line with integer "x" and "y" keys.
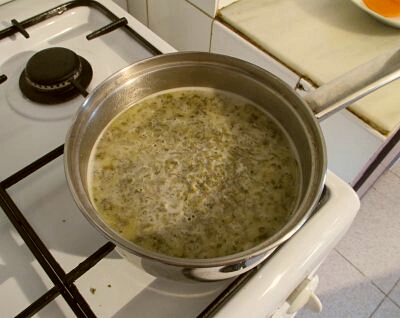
{"x": 233, "y": 75}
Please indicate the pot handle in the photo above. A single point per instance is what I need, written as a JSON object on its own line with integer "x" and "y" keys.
{"x": 354, "y": 85}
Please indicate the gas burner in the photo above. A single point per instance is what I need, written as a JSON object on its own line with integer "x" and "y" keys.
{"x": 55, "y": 75}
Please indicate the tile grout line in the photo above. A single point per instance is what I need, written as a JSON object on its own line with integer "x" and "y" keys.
{"x": 376, "y": 286}
{"x": 211, "y": 35}
{"x": 394, "y": 173}
{"x": 370, "y": 280}
{"x": 377, "y": 307}
{"x": 385, "y": 195}
{"x": 388, "y": 171}
{"x": 380, "y": 304}
{"x": 193, "y": 5}
{"x": 147, "y": 14}
{"x": 395, "y": 162}
{"x": 397, "y": 175}
{"x": 348, "y": 261}
{"x": 385, "y": 295}
{"x": 395, "y": 285}
{"x": 394, "y": 303}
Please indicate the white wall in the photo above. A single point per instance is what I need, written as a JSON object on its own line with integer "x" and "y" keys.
{"x": 122, "y": 3}
{"x": 180, "y": 23}
{"x": 138, "y": 9}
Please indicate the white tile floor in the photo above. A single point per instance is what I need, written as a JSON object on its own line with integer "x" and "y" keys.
{"x": 361, "y": 277}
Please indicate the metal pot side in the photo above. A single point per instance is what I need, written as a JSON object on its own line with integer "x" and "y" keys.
{"x": 195, "y": 69}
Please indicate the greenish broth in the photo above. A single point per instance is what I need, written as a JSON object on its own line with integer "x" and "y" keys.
{"x": 194, "y": 173}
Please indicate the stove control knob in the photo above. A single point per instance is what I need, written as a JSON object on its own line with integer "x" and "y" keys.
{"x": 304, "y": 295}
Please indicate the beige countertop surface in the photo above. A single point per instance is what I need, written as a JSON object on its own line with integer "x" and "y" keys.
{"x": 321, "y": 40}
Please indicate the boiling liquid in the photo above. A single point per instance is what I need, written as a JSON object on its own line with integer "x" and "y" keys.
{"x": 194, "y": 173}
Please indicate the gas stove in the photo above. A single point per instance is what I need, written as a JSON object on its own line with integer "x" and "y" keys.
{"x": 53, "y": 262}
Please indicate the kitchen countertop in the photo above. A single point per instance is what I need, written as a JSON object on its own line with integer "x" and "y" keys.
{"x": 320, "y": 40}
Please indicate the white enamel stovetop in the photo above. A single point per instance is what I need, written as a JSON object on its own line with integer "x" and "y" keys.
{"x": 114, "y": 287}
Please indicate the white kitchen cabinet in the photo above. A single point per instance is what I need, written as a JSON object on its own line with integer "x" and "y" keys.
{"x": 138, "y": 9}
{"x": 350, "y": 144}
{"x": 181, "y": 24}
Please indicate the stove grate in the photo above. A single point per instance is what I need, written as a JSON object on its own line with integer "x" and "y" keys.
{"x": 20, "y": 28}
{"x": 3, "y": 78}
{"x": 72, "y": 276}
{"x": 64, "y": 282}
{"x": 54, "y": 271}
{"x": 13, "y": 29}
{"x": 108, "y": 28}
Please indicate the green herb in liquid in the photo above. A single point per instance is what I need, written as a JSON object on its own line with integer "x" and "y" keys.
{"x": 194, "y": 173}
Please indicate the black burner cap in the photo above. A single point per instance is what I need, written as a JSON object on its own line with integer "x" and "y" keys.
{"x": 51, "y": 76}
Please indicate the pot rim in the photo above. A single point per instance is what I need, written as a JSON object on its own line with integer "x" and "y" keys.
{"x": 71, "y": 158}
